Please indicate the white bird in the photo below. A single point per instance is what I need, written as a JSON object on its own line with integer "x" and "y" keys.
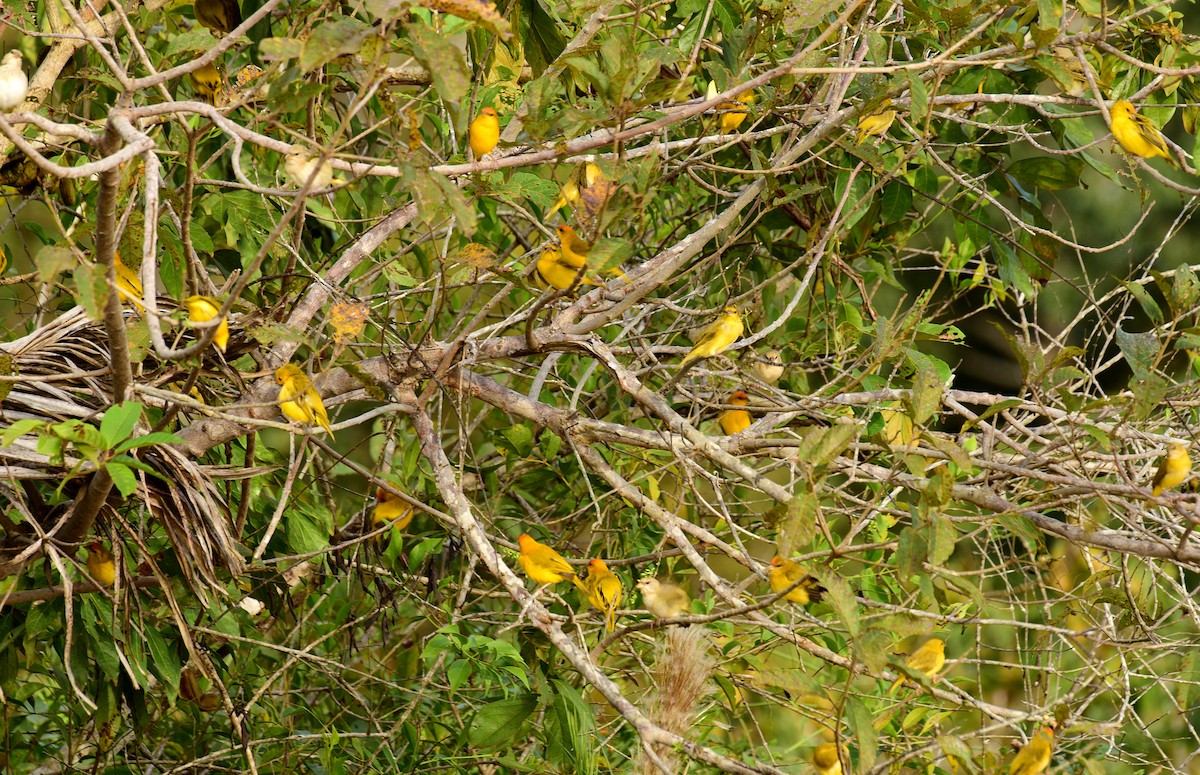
{"x": 13, "y": 83}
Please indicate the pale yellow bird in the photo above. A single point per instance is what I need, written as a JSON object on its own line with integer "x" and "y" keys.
{"x": 767, "y": 367}
{"x": 928, "y": 659}
{"x": 298, "y": 399}
{"x": 1136, "y": 134}
{"x": 202, "y": 309}
{"x": 301, "y": 165}
{"x": 1173, "y": 470}
{"x": 14, "y": 84}
{"x": 664, "y": 599}
{"x": 877, "y": 123}
{"x": 1034, "y": 756}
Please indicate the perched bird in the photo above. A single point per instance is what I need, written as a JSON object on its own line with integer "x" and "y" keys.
{"x": 1034, "y": 757}
{"x": 586, "y": 187}
{"x": 785, "y": 573}
{"x": 559, "y": 271}
{"x": 202, "y": 309}
{"x": 664, "y": 599}
{"x": 1066, "y": 59}
{"x": 928, "y": 660}
{"x": 876, "y": 123}
{"x": 732, "y": 118}
{"x": 208, "y": 82}
{"x": 767, "y": 367}
{"x": 542, "y": 564}
{"x": 218, "y": 15}
{"x": 390, "y": 509}
{"x": 484, "y": 133}
{"x": 736, "y": 420}
{"x": 1136, "y": 133}
{"x": 717, "y": 337}
{"x": 101, "y": 566}
{"x": 129, "y": 285}
{"x": 574, "y": 248}
{"x": 826, "y": 760}
{"x": 603, "y": 591}
{"x": 1173, "y": 470}
{"x": 298, "y": 399}
{"x": 14, "y": 85}
{"x": 301, "y": 165}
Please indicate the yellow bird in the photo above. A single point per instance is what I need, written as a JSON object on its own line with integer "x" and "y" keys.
{"x": 218, "y": 15}
{"x": 877, "y": 123}
{"x": 1136, "y": 134}
{"x": 785, "y": 573}
{"x": 558, "y": 270}
{"x": 736, "y": 420}
{"x": 202, "y": 309}
{"x": 484, "y": 133}
{"x": 664, "y": 599}
{"x": 767, "y": 367}
{"x": 928, "y": 659}
{"x": 208, "y": 82}
{"x": 587, "y": 186}
{"x": 129, "y": 285}
{"x": 574, "y": 249}
{"x": 101, "y": 566}
{"x": 300, "y": 165}
{"x": 298, "y": 399}
{"x": 715, "y": 339}
{"x": 826, "y": 760}
{"x": 1173, "y": 470}
{"x": 733, "y": 118}
{"x": 392, "y": 509}
{"x": 544, "y": 565}
{"x": 603, "y": 591}
{"x": 1034, "y": 757}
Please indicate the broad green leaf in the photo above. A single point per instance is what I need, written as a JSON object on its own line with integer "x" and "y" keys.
{"x": 119, "y": 421}
{"x": 442, "y": 59}
{"x": 498, "y": 722}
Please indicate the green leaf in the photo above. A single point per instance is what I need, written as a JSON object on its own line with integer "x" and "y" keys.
{"x": 540, "y": 34}
{"x": 149, "y": 440}
{"x": 458, "y": 672}
{"x": 19, "y": 429}
{"x": 331, "y": 40}
{"x": 164, "y": 660}
{"x": 444, "y": 61}
{"x": 1145, "y": 300}
{"x": 500, "y": 721}
{"x": 799, "y": 525}
{"x": 894, "y": 202}
{"x": 521, "y": 439}
{"x": 91, "y": 289}
{"x": 1055, "y": 173}
{"x": 52, "y": 261}
{"x": 1140, "y": 351}
{"x": 841, "y": 597}
{"x": 123, "y": 478}
{"x": 926, "y": 396}
{"x": 119, "y": 421}
{"x": 303, "y": 534}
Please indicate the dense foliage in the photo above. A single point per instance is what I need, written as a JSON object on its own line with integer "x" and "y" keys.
{"x": 984, "y": 308}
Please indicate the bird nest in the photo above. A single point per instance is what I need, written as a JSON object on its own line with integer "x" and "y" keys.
{"x": 59, "y": 373}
